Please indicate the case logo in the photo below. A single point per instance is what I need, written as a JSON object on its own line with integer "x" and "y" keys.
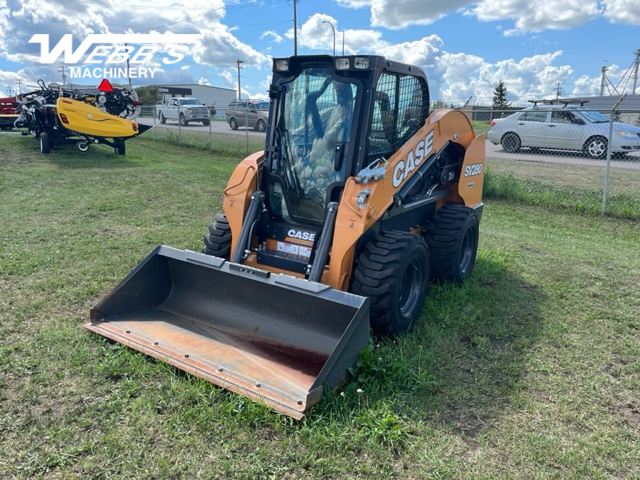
{"x": 403, "y": 168}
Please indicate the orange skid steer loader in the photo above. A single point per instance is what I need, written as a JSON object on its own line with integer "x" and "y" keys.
{"x": 335, "y": 229}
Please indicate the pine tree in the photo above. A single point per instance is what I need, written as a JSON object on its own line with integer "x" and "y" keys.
{"x": 500, "y": 102}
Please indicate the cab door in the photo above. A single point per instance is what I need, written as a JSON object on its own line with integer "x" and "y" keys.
{"x": 533, "y": 128}
{"x": 172, "y": 108}
{"x": 565, "y": 130}
{"x": 252, "y": 114}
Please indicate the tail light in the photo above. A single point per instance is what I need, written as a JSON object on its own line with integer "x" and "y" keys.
{"x": 493, "y": 123}
{"x": 135, "y": 127}
{"x": 64, "y": 118}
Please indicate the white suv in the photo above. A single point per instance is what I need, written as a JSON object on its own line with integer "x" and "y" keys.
{"x": 563, "y": 127}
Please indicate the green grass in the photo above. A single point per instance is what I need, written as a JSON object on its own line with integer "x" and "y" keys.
{"x": 562, "y": 186}
{"x": 531, "y": 369}
{"x": 224, "y": 144}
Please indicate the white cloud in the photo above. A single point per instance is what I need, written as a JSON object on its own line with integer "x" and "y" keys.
{"x": 317, "y": 35}
{"x": 218, "y": 47}
{"x": 453, "y": 77}
{"x": 538, "y": 15}
{"x": 622, "y": 11}
{"x": 354, "y": 3}
{"x": 273, "y": 35}
{"x": 527, "y": 15}
{"x": 229, "y": 79}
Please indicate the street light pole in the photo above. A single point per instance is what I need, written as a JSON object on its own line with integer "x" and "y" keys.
{"x": 238, "y": 64}
{"x": 334, "y": 36}
{"x": 295, "y": 29}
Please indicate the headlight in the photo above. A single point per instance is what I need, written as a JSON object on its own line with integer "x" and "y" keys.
{"x": 361, "y": 63}
{"x": 625, "y": 133}
{"x": 342, "y": 63}
{"x": 282, "y": 65}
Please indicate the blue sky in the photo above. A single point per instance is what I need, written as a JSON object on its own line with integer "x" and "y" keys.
{"x": 465, "y": 47}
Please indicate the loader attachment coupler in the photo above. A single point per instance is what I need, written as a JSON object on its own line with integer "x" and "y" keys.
{"x": 274, "y": 338}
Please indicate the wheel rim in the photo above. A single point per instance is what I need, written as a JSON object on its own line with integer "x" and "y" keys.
{"x": 467, "y": 250}
{"x": 510, "y": 143}
{"x": 411, "y": 286}
{"x": 261, "y": 126}
{"x": 597, "y": 148}
{"x": 233, "y": 124}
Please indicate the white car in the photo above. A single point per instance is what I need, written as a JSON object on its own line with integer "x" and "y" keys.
{"x": 563, "y": 127}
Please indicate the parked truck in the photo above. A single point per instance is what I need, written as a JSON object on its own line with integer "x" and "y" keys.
{"x": 183, "y": 110}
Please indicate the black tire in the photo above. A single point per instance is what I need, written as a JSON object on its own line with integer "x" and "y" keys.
{"x": 45, "y": 145}
{"x": 182, "y": 120}
{"x": 261, "y": 126}
{"x": 206, "y": 123}
{"x": 453, "y": 243}
{"x": 393, "y": 271}
{"x": 233, "y": 123}
{"x": 120, "y": 148}
{"x": 163, "y": 119}
{"x": 595, "y": 147}
{"x": 511, "y": 142}
{"x": 218, "y": 241}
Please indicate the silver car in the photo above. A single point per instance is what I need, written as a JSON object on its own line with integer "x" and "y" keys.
{"x": 563, "y": 127}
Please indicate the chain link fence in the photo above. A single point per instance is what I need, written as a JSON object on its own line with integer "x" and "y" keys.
{"x": 570, "y": 155}
{"x": 214, "y": 133}
{"x": 560, "y": 155}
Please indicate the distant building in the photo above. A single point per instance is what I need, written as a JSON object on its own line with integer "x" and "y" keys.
{"x": 210, "y": 96}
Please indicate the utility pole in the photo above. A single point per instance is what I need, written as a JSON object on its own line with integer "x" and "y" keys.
{"x": 635, "y": 74}
{"x": 238, "y": 64}
{"x": 603, "y": 80}
{"x": 295, "y": 28}
{"x": 63, "y": 71}
{"x": 19, "y": 82}
{"x": 10, "y": 90}
{"x": 558, "y": 90}
{"x": 334, "y": 36}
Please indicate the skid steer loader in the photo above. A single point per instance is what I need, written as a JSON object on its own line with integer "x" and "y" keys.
{"x": 358, "y": 200}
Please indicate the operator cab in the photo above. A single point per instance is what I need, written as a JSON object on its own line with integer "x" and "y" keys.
{"x": 314, "y": 119}
{"x": 330, "y": 117}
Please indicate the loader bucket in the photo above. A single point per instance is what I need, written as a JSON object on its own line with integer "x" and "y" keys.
{"x": 274, "y": 338}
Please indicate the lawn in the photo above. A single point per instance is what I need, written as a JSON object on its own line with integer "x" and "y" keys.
{"x": 531, "y": 369}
